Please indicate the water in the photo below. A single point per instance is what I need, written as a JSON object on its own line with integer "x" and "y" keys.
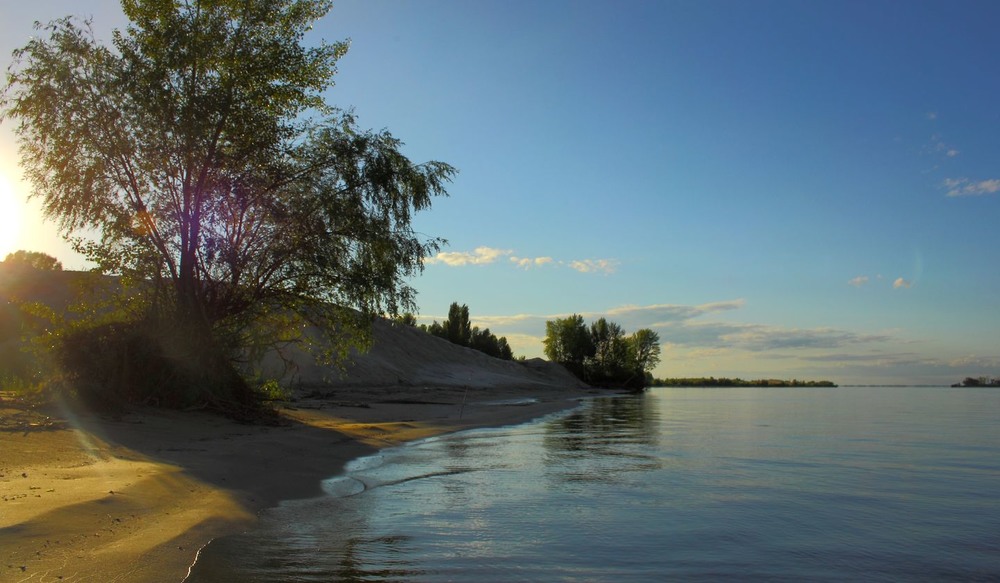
{"x": 886, "y": 484}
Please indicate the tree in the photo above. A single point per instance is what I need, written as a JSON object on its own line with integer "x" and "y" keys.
{"x": 201, "y": 155}
{"x": 32, "y": 260}
{"x": 603, "y": 354}
{"x": 644, "y": 351}
{"x": 486, "y": 342}
{"x": 568, "y": 342}
{"x": 610, "y": 358}
{"x": 407, "y": 319}
{"x": 458, "y": 329}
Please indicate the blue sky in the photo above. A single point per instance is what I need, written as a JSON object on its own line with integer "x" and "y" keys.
{"x": 779, "y": 189}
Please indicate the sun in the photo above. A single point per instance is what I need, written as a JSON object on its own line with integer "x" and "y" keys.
{"x": 10, "y": 217}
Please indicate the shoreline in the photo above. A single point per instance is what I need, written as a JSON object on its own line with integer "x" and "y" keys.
{"x": 135, "y": 498}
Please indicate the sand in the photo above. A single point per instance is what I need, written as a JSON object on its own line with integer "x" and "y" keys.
{"x": 86, "y": 497}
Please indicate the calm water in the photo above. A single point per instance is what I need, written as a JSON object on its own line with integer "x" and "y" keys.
{"x": 886, "y": 484}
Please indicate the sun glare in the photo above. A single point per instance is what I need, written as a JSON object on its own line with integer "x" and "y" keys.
{"x": 10, "y": 217}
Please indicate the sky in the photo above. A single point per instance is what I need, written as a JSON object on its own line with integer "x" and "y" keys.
{"x": 779, "y": 189}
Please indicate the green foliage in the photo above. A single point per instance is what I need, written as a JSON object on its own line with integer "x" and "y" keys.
{"x": 37, "y": 308}
{"x": 458, "y": 329}
{"x": 569, "y": 342}
{"x": 644, "y": 350}
{"x": 271, "y": 390}
{"x": 114, "y": 364}
{"x": 198, "y": 160}
{"x": 20, "y": 385}
{"x": 611, "y": 353}
{"x": 602, "y": 354}
{"x": 22, "y": 259}
{"x": 406, "y": 319}
{"x": 486, "y": 342}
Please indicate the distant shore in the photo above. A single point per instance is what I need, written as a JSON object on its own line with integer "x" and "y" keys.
{"x": 85, "y": 497}
{"x": 737, "y": 382}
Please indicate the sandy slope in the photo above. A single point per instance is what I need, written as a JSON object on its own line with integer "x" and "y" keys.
{"x": 89, "y": 498}
{"x": 407, "y": 356}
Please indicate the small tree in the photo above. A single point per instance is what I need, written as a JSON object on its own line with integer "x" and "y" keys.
{"x": 407, "y": 319}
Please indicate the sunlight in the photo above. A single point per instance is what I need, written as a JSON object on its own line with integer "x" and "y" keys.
{"x": 10, "y": 217}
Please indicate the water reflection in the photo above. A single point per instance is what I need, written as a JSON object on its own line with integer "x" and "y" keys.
{"x": 604, "y": 442}
{"x": 299, "y": 547}
{"x": 676, "y": 484}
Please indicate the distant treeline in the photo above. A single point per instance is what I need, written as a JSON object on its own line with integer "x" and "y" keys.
{"x": 737, "y": 382}
{"x": 979, "y": 382}
{"x": 457, "y": 329}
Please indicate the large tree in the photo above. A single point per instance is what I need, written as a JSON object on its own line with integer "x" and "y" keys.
{"x": 197, "y": 155}
{"x": 22, "y": 259}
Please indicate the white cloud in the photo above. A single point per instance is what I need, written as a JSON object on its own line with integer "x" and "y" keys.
{"x": 931, "y": 115}
{"x": 952, "y": 153}
{"x": 965, "y": 187}
{"x": 605, "y": 266}
{"x": 858, "y": 281}
{"x": 528, "y": 263}
{"x": 759, "y": 338}
{"x": 660, "y": 316}
{"x": 487, "y": 255}
{"x": 901, "y": 283}
{"x": 480, "y": 256}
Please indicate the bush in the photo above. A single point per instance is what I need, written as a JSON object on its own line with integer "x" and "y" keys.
{"x": 110, "y": 366}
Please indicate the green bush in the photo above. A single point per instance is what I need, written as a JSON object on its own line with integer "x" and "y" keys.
{"x": 110, "y": 366}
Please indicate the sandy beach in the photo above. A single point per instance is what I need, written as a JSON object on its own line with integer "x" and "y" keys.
{"x": 133, "y": 497}
{"x": 88, "y": 497}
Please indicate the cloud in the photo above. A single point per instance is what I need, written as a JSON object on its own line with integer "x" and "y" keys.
{"x": 965, "y": 187}
{"x": 931, "y": 115}
{"x": 660, "y": 315}
{"x": 858, "y": 281}
{"x": 481, "y": 256}
{"x": 875, "y": 359}
{"x": 972, "y": 361}
{"x": 605, "y": 266}
{"x": 528, "y": 263}
{"x": 937, "y": 145}
{"x": 486, "y": 255}
{"x": 901, "y": 283}
{"x": 665, "y": 317}
{"x": 758, "y": 338}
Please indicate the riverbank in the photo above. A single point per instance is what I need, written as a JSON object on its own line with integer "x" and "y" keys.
{"x": 93, "y": 498}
